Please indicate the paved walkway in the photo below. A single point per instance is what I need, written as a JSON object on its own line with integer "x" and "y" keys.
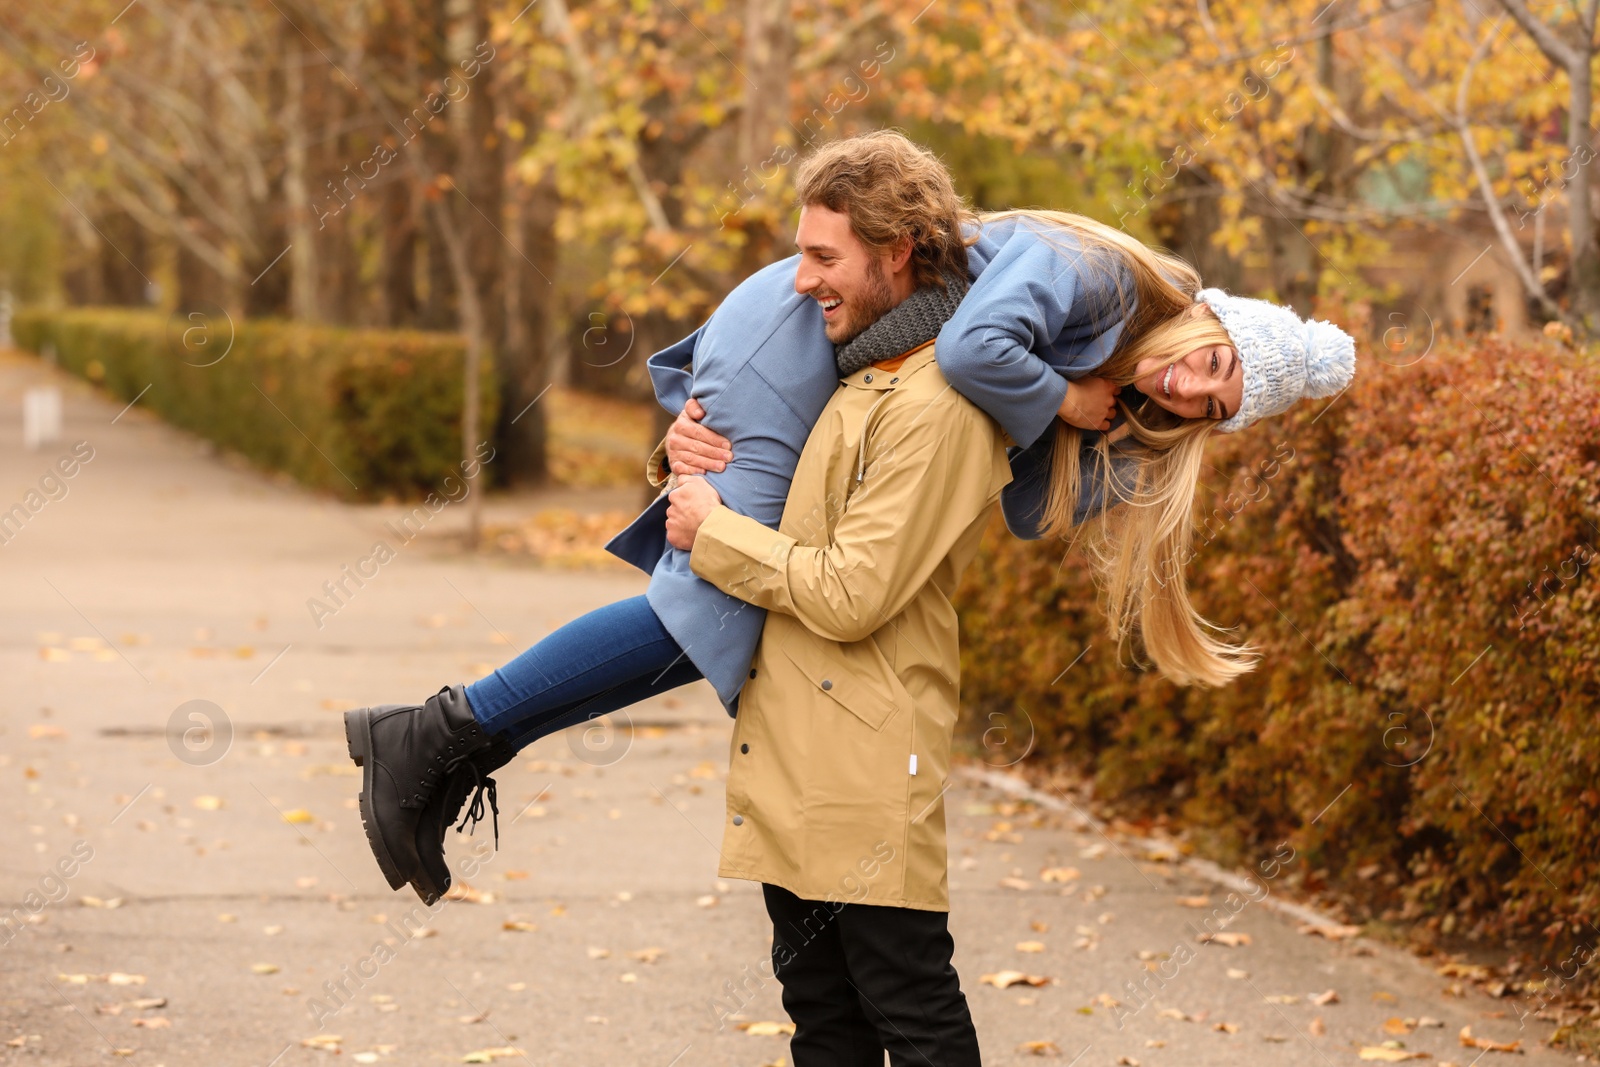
{"x": 221, "y": 907}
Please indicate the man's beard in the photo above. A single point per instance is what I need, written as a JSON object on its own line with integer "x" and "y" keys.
{"x": 874, "y": 300}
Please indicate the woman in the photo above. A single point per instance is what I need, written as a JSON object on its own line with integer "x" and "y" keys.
{"x": 1056, "y": 295}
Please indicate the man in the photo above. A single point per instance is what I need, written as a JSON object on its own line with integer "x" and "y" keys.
{"x": 841, "y": 750}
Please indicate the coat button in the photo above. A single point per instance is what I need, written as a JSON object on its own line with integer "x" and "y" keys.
{"x": 826, "y": 684}
{"x": 738, "y": 820}
{"x": 744, "y": 749}
{"x": 893, "y": 380}
{"x": 868, "y": 378}
{"x": 752, "y": 672}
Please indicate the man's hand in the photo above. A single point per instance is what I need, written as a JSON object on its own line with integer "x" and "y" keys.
{"x": 1090, "y": 403}
{"x": 688, "y": 506}
{"x": 693, "y": 449}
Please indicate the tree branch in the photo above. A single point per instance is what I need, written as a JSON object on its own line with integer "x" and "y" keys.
{"x": 1497, "y": 215}
{"x": 1549, "y": 42}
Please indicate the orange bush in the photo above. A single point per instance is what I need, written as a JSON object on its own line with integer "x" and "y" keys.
{"x": 1413, "y": 561}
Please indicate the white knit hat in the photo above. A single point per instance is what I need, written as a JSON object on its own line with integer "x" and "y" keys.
{"x": 1282, "y": 357}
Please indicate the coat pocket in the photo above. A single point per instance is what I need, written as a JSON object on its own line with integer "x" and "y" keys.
{"x": 839, "y": 672}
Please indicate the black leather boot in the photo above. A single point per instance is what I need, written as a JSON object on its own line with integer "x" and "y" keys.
{"x": 406, "y": 753}
{"x": 471, "y": 777}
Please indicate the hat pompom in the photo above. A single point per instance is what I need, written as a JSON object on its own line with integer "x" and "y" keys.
{"x": 1330, "y": 358}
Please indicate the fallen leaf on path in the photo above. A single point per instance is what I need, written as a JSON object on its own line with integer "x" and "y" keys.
{"x": 1039, "y": 1048}
{"x": 96, "y": 902}
{"x": 1127, "y": 1061}
{"x": 208, "y": 803}
{"x": 1226, "y": 1028}
{"x": 599, "y": 953}
{"x": 1468, "y": 1041}
{"x": 766, "y": 1029}
{"x": 142, "y": 1004}
{"x": 1039, "y": 927}
{"x": 158, "y": 1022}
{"x": 264, "y": 968}
{"x": 1195, "y": 902}
{"x": 1333, "y": 932}
{"x": 489, "y": 1055}
{"x": 1283, "y": 998}
{"x": 1317, "y": 1028}
{"x": 1231, "y": 940}
{"x": 470, "y": 1019}
{"x": 114, "y": 978}
{"x": 1383, "y": 1054}
{"x": 710, "y": 900}
{"x": 1472, "y": 971}
{"x": 325, "y": 1042}
{"x": 1030, "y": 946}
{"x": 1234, "y": 972}
{"x": 1174, "y": 1013}
{"x": 1398, "y": 1026}
{"x": 299, "y": 817}
{"x": 1007, "y": 979}
{"x": 1018, "y": 884}
{"x": 45, "y": 731}
{"x": 519, "y": 926}
{"x": 464, "y": 892}
{"x": 1322, "y": 1000}
{"x": 647, "y": 955}
{"x": 1059, "y": 874}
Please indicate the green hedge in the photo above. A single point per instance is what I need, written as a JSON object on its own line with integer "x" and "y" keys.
{"x": 383, "y": 407}
{"x": 1405, "y": 559}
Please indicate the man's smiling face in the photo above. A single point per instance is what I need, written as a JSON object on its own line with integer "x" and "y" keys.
{"x": 853, "y": 285}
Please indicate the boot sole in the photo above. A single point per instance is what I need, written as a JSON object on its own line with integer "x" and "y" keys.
{"x": 358, "y": 740}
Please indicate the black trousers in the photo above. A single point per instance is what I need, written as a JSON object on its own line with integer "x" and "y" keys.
{"x": 859, "y": 979}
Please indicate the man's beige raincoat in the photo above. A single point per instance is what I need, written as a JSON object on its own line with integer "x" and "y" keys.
{"x": 841, "y": 749}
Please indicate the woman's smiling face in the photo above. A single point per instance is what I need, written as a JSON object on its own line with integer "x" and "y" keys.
{"x": 1206, "y": 383}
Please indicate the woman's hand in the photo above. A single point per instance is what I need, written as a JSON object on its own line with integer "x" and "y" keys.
{"x": 1090, "y": 403}
{"x": 693, "y": 449}
{"x": 689, "y": 505}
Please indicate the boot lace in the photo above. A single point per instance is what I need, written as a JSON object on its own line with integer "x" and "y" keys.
{"x": 482, "y": 787}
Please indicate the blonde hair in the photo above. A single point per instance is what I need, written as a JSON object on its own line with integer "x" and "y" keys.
{"x": 1138, "y": 552}
{"x": 891, "y": 188}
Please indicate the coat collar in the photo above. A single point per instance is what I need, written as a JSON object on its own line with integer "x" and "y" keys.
{"x": 877, "y": 379}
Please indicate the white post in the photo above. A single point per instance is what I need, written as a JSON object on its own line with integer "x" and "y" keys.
{"x": 41, "y": 417}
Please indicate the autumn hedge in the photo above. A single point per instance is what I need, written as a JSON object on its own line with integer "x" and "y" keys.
{"x": 1414, "y": 562}
{"x": 364, "y": 414}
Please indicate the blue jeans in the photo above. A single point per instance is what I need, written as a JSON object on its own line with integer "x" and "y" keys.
{"x": 608, "y": 659}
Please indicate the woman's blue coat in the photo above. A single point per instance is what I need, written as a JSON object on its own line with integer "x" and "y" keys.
{"x": 763, "y": 369}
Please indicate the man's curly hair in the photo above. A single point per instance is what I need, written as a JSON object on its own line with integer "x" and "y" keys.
{"x": 891, "y": 188}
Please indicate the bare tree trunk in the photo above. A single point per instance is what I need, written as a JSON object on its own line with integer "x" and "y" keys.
{"x": 1573, "y": 53}
{"x": 768, "y": 55}
{"x": 302, "y": 254}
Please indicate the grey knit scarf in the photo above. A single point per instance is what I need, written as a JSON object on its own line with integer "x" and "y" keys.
{"x": 914, "y": 321}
